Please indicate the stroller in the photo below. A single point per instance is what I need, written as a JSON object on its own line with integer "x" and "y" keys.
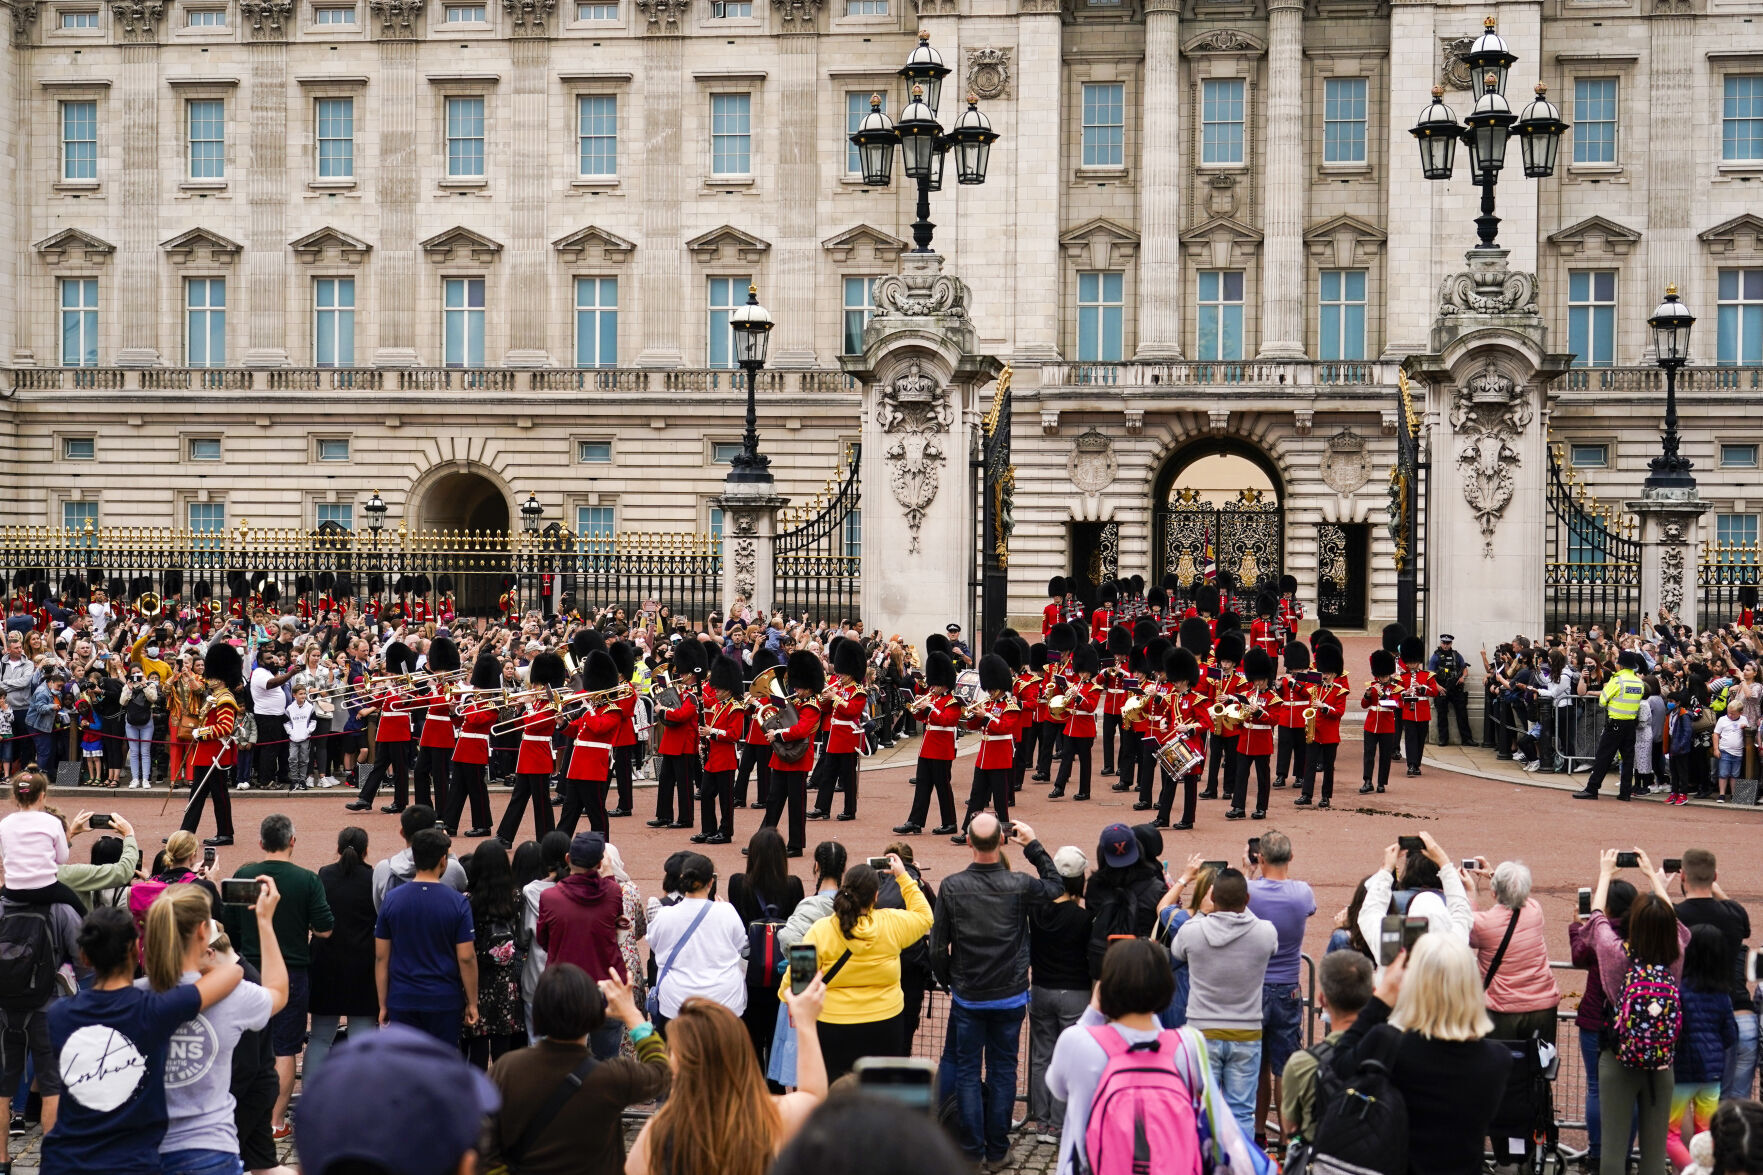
{"x": 1524, "y": 1132}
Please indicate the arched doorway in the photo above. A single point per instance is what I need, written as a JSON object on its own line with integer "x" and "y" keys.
{"x": 473, "y": 503}
{"x": 1218, "y": 514}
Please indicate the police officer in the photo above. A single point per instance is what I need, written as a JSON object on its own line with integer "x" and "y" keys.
{"x": 1621, "y": 698}
{"x": 1448, "y": 668}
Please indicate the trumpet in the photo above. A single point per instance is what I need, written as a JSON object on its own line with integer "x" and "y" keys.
{"x": 555, "y": 705}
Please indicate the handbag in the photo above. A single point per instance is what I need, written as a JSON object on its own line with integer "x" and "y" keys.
{"x": 652, "y": 1005}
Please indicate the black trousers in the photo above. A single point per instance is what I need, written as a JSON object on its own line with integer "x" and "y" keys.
{"x": 1240, "y": 785}
{"x": 992, "y": 786}
{"x": 1320, "y": 760}
{"x": 933, "y": 775}
{"x": 468, "y": 783}
{"x": 719, "y": 789}
{"x": 1078, "y": 750}
{"x": 393, "y": 758}
{"x": 1455, "y": 701}
{"x": 791, "y": 788}
{"x": 433, "y": 764}
{"x": 272, "y": 749}
{"x": 755, "y": 762}
{"x": 1129, "y": 757}
{"x": 1292, "y": 751}
{"x": 675, "y": 776}
{"x": 1618, "y": 739}
{"x": 1110, "y": 731}
{"x": 1148, "y": 768}
{"x": 840, "y": 768}
{"x": 623, "y": 759}
{"x": 1414, "y": 741}
{"x": 1380, "y": 749}
{"x": 534, "y": 788}
{"x": 1022, "y": 757}
{"x": 584, "y": 795}
{"x": 1049, "y": 737}
{"x": 1190, "y": 792}
{"x": 1221, "y": 757}
{"x": 211, "y": 784}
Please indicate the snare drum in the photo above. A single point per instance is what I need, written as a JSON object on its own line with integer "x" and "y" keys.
{"x": 1178, "y": 758}
{"x": 967, "y": 686}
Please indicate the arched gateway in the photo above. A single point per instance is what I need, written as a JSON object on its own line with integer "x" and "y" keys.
{"x": 1218, "y": 511}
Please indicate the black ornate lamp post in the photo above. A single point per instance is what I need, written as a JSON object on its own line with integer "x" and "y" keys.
{"x": 1671, "y": 350}
{"x": 1487, "y": 129}
{"x": 530, "y": 514}
{"x": 375, "y": 509}
{"x": 920, "y": 137}
{"x": 752, "y": 326}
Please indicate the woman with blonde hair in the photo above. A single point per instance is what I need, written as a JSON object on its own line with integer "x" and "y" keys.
{"x": 719, "y": 1118}
{"x": 200, "y": 1134}
{"x": 1426, "y": 1021}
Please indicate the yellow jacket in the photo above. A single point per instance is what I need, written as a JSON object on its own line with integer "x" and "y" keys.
{"x": 867, "y": 988}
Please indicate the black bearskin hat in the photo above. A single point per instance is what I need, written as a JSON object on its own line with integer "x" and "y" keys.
{"x": 222, "y": 663}
{"x": 1229, "y": 621}
{"x": 939, "y": 670}
{"x": 1085, "y": 660}
{"x": 1156, "y": 653}
{"x": 585, "y": 641}
{"x": 547, "y": 669}
{"x": 1257, "y": 665}
{"x": 1037, "y": 657}
{"x": 1062, "y": 639}
{"x": 1383, "y": 663}
{"x": 1172, "y": 583}
{"x": 1156, "y": 598}
{"x": 443, "y": 655}
{"x": 174, "y": 581}
{"x": 399, "y": 658}
{"x": 624, "y": 658}
{"x": 806, "y": 672}
{"x": 763, "y": 659}
{"x": 1393, "y": 635}
{"x": 1056, "y": 587}
{"x": 326, "y": 581}
{"x": 1329, "y": 660}
{"x": 1632, "y": 661}
{"x": 486, "y": 671}
{"x": 1226, "y": 579}
{"x": 95, "y": 576}
{"x": 993, "y": 673}
{"x": 1288, "y": 585}
{"x": 1206, "y": 600}
{"x": 1010, "y": 649}
{"x": 345, "y": 585}
{"x": 1413, "y": 650}
{"x": 1324, "y": 636}
{"x": 1119, "y": 640}
{"x": 1195, "y": 636}
{"x": 376, "y": 583}
{"x": 1108, "y": 592}
{"x": 302, "y": 584}
{"x": 1297, "y": 656}
{"x": 725, "y": 676}
{"x": 272, "y": 592}
{"x": 1143, "y": 630}
{"x": 1181, "y": 665}
{"x": 204, "y": 590}
{"x": 1229, "y": 647}
{"x": 1138, "y": 585}
{"x": 1748, "y": 595}
{"x": 848, "y": 660}
{"x": 1266, "y": 604}
{"x": 688, "y": 657}
{"x": 936, "y": 642}
{"x": 420, "y": 585}
{"x": 443, "y": 583}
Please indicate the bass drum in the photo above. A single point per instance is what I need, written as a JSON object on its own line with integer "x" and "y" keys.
{"x": 782, "y": 718}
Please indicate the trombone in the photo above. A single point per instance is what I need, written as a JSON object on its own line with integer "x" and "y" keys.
{"x": 559, "y": 702}
{"x": 355, "y": 694}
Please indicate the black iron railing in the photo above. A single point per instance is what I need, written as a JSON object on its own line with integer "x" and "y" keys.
{"x": 817, "y": 566}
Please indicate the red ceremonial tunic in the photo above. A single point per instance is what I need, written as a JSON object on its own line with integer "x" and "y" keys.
{"x": 807, "y": 722}
{"x": 1294, "y": 700}
{"x": 997, "y": 742}
{"x": 845, "y": 735}
{"x": 394, "y": 710}
{"x": 679, "y": 726}
{"x": 537, "y": 726}
{"x": 939, "y": 722}
{"x": 1100, "y": 621}
{"x": 472, "y": 747}
{"x": 1190, "y": 708}
{"x": 626, "y": 735}
{"x": 217, "y": 725}
{"x": 1422, "y": 682}
{"x": 1027, "y": 691}
{"x": 1264, "y": 634}
{"x": 724, "y": 719}
{"x": 1080, "y": 721}
{"x": 591, "y": 736}
{"x": 1256, "y": 735}
{"x": 1382, "y": 702}
{"x": 1331, "y": 707}
{"x": 437, "y": 729}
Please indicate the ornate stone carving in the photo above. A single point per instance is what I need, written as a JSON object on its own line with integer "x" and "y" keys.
{"x": 1221, "y": 195}
{"x": 1092, "y": 466}
{"x": 746, "y": 566}
{"x": 1487, "y": 414}
{"x": 137, "y": 20}
{"x": 920, "y": 294}
{"x": 269, "y": 18}
{"x": 398, "y": 18}
{"x": 24, "y": 15}
{"x": 1488, "y": 287}
{"x": 664, "y": 16}
{"x": 529, "y": 16}
{"x": 1672, "y": 564}
{"x": 798, "y": 15}
{"x": 914, "y": 412}
{"x": 988, "y": 73}
{"x": 1225, "y": 41}
{"x": 1453, "y": 70}
{"x": 1346, "y": 466}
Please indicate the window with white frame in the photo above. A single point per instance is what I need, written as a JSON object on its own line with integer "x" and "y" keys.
{"x": 725, "y": 294}
{"x": 79, "y": 322}
{"x": 206, "y": 18}
{"x": 1220, "y": 314}
{"x": 866, "y": 7}
{"x": 1738, "y": 456}
{"x": 596, "y": 322}
{"x": 333, "y": 322}
{"x": 1735, "y": 530}
{"x": 731, "y": 9}
{"x": 1101, "y": 308}
{"x": 859, "y": 308}
{"x": 1594, "y": 120}
{"x": 332, "y": 449}
{"x": 724, "y": 452}
{"x": 204, "y": 448}
{"x": 731, "y": 134}
{"x": 715, "y": 519}
{"x": 593, "y": 452}
{"x": 80, "y": 20}
{"x": 466, "y": 14}
{"x": 1591, "y": 317}
{"x": 854, "y": 534}
{"x": 597, "y": 133}
{"x": 596, "y": 12}
{"x": 334, "y": 119}
{"x": 1741, "y": 126}
{"x": 1341, "y": 306}
{"x": 1104, "y": 126}
{"x": 1739, "y": 325}
{"x": 1221, "y": 120}
{"x": 208, "y": 518}
{"x": 856, "y": 110}
{"x": 205, "y": 322}
{"x": 1586, "y": 456}
{"x": 336, "y": 513}
{"x": 595, "y": 527}
{"x": 1343, "y": 120}
{"x": 79, "y": 449}
{"x": 207, "y": 138}
{"x": 334, "y": 15}
{"x": 465, "y": 137}
{"x": 79, "y": 515}
{"x": 464, "y": 321}
{"x": 79, "y": 140}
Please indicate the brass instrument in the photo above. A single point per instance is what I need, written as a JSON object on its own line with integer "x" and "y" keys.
{"x": 148, "y": 605}
{"x": 518, "y": 722}
{"x": 1059, "y": 706}
{"x": 1227, "y": 719}
{"x": 1133, "y": 709}
{"x": 1310, "y": 716}
{"x": 763, "y": 687}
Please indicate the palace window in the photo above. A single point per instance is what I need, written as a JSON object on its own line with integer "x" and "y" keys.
{"x": 335, "y": 122}
{"x": 1739, "y": 327}
{"x": 1101, "y": 306}
{"x": 79, "y": 322}
{"x": 1588, "y": 456}
{"x": 79, "y": 515}
{"x": 80, "y": 20}
{"x": 1104, "y": 141}
{"x": 1341, "y": 325}
{"x": 337, "y": 513}
{"x": 79, "y": 140}
{"x": 465, "y": 137}
{"x": 597, "y": 133}
{"x": 724, "y": 452}
{"x": 204, "y": 448}
{"x": 731, "y": 134}
{"x": 333, "y": 449}
{"x": 207, "y": 137}
{"x": 207, "y": 18}
{"x": 595, "y": 527}
{"x": 1738, "y": 456}
{"x": 205, "y": 322}
{"x": 596, "y": 12}
{"x": 866, "y": 7}
{"x": 596, "y": 322}
{"x": 731, "y": 9}
{"x": 79, "y": 449}
{"x": 725, "y": 294}
{"x": 856, "y": 110}
{"x": 1221, "y": 314}
{"x": 333, "y": 322}
{"x": 854, "y": 534}
{"x": 594, "y": 452}
{"x": 334, "y": 15}
{"x": 859, "y": 307}
{"x": 1221, "y": 120}
{"x": 208, "y": 517}
{"x": 466, "y": 14}
{"x": 1591, "y": 317}
{"x": 1741, "y": 128}
{"x": 1594, "y": 120}
{"x": 1735, "y": 530}
{"x": 1343, "y": 120}
{"x": 464, "y": 321}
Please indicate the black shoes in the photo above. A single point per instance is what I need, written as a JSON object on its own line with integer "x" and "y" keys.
{"x": 817, "y": 814}
{"x": 1301, "y": 802}
{"x": 477, "y": 833}
{"x": 1057, "y": 793}
{"x": 1323, "y": 804}
{"x": 1183, "y": 826}
{"x": 908, "y": 829}
{"x": 1258, "y": 814}
{"x": 716, "y": 838}
{"x": 1235, "y": 814}
{"x": 658, "y": 822}
{"x": 619, "y": 812}
{"x": 392, "y": 809}
{"x": 1143, "y": 806}
{"x": 218, "y": 842}
{"x": 358, "y": 806}
{"x": 1082, "y": 795}
{"x": 1279, "y": 783}
{"x": 943, "y": 830}
{"x": 1120, "y": 786}
{"x": 1380, "y": 789}
{"x": 1366, "y": 789}
{"x": 1210, "y": 793}
{"x": 846, "y": 816}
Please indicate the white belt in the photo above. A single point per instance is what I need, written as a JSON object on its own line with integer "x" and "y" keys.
{"x": 537, "y": 738}
{"x": 594, "y": 746}
{"x": 997, "y": 738}
{"x": 846, "y": 723}
{"x": 475, "y": 734}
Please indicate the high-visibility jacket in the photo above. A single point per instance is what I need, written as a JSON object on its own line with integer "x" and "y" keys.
{"x": 1622, "y": 695}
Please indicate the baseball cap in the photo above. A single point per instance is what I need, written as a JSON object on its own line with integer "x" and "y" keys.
{"x": 1070, "y": 861}
{"x": 1118, "y": 846}
{"x": 426, "y": 1111}
{"x": 587, "y": 850}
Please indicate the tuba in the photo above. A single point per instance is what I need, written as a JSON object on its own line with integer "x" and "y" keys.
{"x": 148, "y": 605}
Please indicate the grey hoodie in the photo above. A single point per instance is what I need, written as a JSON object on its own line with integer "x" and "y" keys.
{"x": 401, "y": 867}
{"x": 1227, "y": 958}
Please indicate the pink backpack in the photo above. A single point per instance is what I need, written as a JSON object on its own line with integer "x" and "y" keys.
{"x": 1144, "y": 1120}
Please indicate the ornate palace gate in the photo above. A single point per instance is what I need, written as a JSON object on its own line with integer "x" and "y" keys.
{"x": 1342, "y": 553}
{"x": 1244, "y": 540}
{"x": 1593, "y": 569}
{"x": 817, "y": 564}
{"x": 995, "y": 488}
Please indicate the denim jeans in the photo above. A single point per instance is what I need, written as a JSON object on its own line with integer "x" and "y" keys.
{"x": 987, "y": 1040}
{"x": 195, "y": 1162}
{"x": 1741, "y": 1059}
{"x": 324, "y": 1035}
{"x": 605, "y": 1040}
{"x": 1236, "y": 1066}
{"x": 140, "y": 751}
{"x": 44, "y": 741}
{"x": 443, "y": 1026}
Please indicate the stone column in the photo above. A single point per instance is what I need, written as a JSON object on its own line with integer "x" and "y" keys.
{"x": 1159, "y": 277}
{"x": 266, "y": 186}
{"x": 394, "y": 255}
{"x": 660, "y": 257}
{"x": 529, "y": 286}
{"x": 921, "y": 378}
{"x": 1674, "y": 86}
{"x": 19, "y": 276}
{"x": 1039, "y": 180}
{"x": 749, "y": 541}
{"x": 1668, "y": 552}
{"x": 1282, "y": 243}
{"x": 1410, "y": 246}
{"x": 793, "y": 260}
{"x": 137, "y": 187}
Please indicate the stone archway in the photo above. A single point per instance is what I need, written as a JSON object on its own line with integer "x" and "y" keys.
{"x": 1218, "y": 511}
{"x": 466, "y": 500}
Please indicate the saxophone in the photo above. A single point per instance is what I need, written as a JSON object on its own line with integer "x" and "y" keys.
{"x": 1310, "y": 713}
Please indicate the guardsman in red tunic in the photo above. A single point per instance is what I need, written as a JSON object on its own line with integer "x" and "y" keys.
{"x": 994, "y": 719}
{"x": 434, "y": 752}
{"x": 590, "y": 741}
{"x": 755, "y": 762}
{"x": 1291, "y": 610}
{"x": 676, "y": 775}
{"x": 1061, "y": 642}
{"x": 391, "y": 741}
{"x": 1054, "y": 612}
{"x": 624, "y": 743}
{"x": 534, "y": 761}
{"x": 1102, "y": 617}
{"x": 212, "y": 750}
{"x": 1115, "y": 682}
{"x": 1255, "y": 740}
{"x": 1025, "y": 689}
{"x": 792, "y": 749}
{"x": 1148, "y": 728}
{"x": 1186, "y": 722}
{"x": 471, "y": 748}
{"x": 1264, "y": 629}
{"x": 1080, "y": 724}
{"x": 720, "y": 729}
{"x": 1137, "y": 758}
{"x": 939, "y": 711}
{"x": 1294, "y": 698}
{"x": 1382, "y": 701}
{"x": 1419, "y": 688}
{"x": 1223, "y": 680}
{"x": 846, "y": 703}
{"x": 1331, "y": 707}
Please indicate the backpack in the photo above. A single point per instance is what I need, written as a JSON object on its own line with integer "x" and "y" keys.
{"x": 1648, "y": 1017}
{"x": 1144, "y": 1120}
{"x": 27, "y": 959}
{"x": 765, "y": 958}
{"x": 1361, "y": 1118}
{"x": 142, "y": 895}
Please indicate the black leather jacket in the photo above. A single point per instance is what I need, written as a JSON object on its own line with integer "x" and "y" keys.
{"x": 979, "y": 943}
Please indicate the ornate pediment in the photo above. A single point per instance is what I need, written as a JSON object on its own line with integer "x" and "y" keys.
{"x": 612, "y": 248}
{"x": 1225, "y": 41}
{"x": 90, "y": 249}
{"x": 1595, "y": 235}
{"x": 201, "y": 242}
{"x": 1344, "y": 241}
{"x": 1100, "y": 244}
{"x": 1742, "y": 234}
{"x": 314, "y": 245}
{"x": 726, "y": 243}
{"x": 459, "y": 244}
{"x": 881, "y": 246}
{"x": 1222, "y": 242}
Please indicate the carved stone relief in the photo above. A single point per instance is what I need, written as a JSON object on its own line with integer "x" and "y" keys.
{"x": 398, "y": 18}
{"x": 1346, "y": 466}
{"x": 920, "y": 294}
{"x": 269, "y": 19}
{"x": 914, "y": 414}
{"x": 137, "y": 20}
{"x": 1453, "y": 70}
{"x": 1092, "y": 466}
{"x": 529, "y": 16}
{"x": 988, "y": 73}
{"x": 664, "y": 16}
{"x": 1487, "y": 414}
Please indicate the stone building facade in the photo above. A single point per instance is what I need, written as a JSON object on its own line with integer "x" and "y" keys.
{"x": 264, "y": 257}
